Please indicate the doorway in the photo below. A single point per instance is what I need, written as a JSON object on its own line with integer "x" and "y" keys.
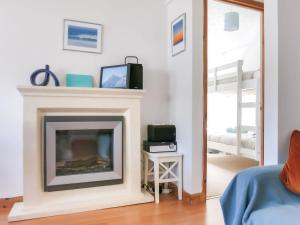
{"x": 233, "y": 91}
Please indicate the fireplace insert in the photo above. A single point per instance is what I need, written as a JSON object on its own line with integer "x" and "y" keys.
{"x": 82, "y": 151}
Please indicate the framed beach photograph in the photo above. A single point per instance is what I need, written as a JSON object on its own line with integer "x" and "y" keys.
{"x": 82, "y": 36}
{"x": 178, "y": 37}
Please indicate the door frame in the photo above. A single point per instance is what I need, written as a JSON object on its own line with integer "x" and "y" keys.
{"x": 259, "y": 6}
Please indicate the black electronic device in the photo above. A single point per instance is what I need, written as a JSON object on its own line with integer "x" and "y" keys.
{"x": 136, "y": 73}
{"x": 161, "y": 133}
{"x": 160, "y": 147}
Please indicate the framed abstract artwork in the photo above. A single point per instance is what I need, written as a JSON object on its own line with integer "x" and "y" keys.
{"x": 82, "y": 36}
{"x": 178, "y": 34}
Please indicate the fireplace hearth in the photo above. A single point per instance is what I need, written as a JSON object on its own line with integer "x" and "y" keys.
{"x": 82, "y": 151}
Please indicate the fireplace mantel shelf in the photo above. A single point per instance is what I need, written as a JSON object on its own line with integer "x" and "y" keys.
{"x": 80, "y": 92}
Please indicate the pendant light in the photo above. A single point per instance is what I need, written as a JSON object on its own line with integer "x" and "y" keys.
{"x": 231, "y": 21}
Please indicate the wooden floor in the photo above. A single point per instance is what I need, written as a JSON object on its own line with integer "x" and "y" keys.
{"x": 168, "y": 212}
{"x": 221, "y": 169}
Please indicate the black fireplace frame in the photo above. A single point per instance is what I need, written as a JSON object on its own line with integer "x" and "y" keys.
{"x": 52, "y": 188}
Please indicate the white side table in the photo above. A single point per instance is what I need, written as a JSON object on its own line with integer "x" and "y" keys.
{"x": 167, "y": 168}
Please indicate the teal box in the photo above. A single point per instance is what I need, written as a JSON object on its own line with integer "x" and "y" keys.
{"x": 76, "y": 80}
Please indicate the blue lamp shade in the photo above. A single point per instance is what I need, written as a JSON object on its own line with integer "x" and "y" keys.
{"x": 232, "y": 21}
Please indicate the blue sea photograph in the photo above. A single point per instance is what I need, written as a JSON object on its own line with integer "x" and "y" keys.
{"x": 115, "y": 77}
{"x": 82, "y": 36}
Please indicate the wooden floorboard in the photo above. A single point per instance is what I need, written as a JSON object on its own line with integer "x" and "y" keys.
{"x": 168, "y": 212}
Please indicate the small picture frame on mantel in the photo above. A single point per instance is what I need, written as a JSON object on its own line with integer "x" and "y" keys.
{"x": 178, "y": 35}
{"x": 82, "y": 36}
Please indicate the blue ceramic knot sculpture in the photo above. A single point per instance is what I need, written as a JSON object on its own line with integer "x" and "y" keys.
{"x": 47, "y": 75}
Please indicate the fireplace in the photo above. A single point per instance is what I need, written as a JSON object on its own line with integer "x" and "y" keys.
{"x": 82, "y": 151}
{"x": 72, "y": 174}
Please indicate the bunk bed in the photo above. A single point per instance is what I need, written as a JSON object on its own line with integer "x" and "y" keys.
{"x": 243, "y": 141}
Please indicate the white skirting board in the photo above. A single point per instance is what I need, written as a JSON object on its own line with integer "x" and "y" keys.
{"x": 18, "y": 212}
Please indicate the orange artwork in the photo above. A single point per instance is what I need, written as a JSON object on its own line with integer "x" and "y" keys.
{"x": 178, "y": 38}
{"x": 178, "y": 32}
{"x": 178, "y": 35}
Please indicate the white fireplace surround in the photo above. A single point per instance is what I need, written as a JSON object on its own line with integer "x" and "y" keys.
{"x": 62, "y": 101}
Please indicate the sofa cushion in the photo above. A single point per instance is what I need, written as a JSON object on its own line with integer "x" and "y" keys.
{"x": 290, "y": 174}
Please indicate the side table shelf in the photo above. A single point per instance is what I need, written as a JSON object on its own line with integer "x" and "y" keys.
{"x": 166, "y": 168}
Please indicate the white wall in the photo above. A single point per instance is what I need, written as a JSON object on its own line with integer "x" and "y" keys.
{"x": 282, "y": 77}
{"x": 185, "y": 75}
{"x": 31, "y": 36}
{"x": 271, "y": 82}
{"x": 197, "y": 132}
{"x": 289, "y": 73}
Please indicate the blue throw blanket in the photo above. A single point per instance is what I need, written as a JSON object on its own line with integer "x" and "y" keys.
{"x": 257, "y": 197}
